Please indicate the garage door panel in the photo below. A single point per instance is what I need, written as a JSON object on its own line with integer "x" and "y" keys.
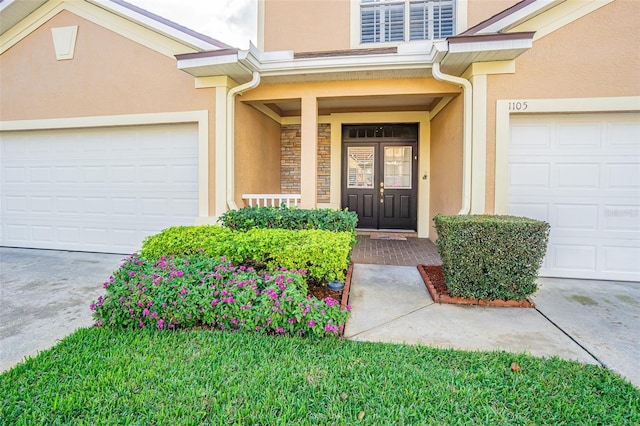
{"x": 575, "y": 217}
{"x": 531, "y": 135}
{"x": 579, "y": 135}
{"x": 577, "y": 175}
{"x": 621, "y": 218}
{"x": 529, "y": 175}
{"x": 592, "y": 195}
{"x": 576, "y": 257}
{"x": 624, "y": 176}
{"x": 619, "y": 258}
{"x": 97, "y": 189}
{"x": 624, "y": 135}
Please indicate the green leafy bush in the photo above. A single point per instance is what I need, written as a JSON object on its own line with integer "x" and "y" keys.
{"x": 283, "y": 217}
{"x": 491, "y": 257}
{"x": 324, "y": 254}
{"x": 183, "y": 292}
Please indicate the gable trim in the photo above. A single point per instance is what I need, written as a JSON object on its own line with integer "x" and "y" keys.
{"x": 128, "y": 28}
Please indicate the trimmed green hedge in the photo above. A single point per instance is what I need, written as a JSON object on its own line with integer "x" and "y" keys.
{"x": 283, "y": 217}
{"x": 491, "y": 257}
{"x": 323, "y": 254}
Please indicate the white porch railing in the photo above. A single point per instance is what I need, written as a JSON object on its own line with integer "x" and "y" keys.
{"x": 271, "y": 200}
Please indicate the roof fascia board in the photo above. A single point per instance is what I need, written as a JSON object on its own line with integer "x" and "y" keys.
{"x": 559, "y": 16}
{"x": 511, "y": 16}
{"x": 282, "y": 63}
{"x": 186, "y": 36}
{"x": 194, "y": 62}
{"x": 487, "y": 43}
{"x": 29, "y": 24}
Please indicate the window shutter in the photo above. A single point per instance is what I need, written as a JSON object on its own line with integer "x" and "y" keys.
{"x": 385, "y": 20}
{"x": 443, "y": 19}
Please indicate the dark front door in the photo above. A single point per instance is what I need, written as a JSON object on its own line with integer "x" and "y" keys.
{"x": 379, "y": 176}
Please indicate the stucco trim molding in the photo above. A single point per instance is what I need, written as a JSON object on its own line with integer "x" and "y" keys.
{"x": 505, "y": 108}
{"x": 201, "y": 118}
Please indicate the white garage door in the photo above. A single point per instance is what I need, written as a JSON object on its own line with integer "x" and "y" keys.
{"x": 100, "y": 189}
{"x": 580, "y": 173}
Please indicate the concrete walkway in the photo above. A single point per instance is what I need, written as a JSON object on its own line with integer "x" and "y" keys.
{"x": 588, "y": 321}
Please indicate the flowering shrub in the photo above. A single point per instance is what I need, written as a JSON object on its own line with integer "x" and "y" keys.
{"x": 182, "y": 292}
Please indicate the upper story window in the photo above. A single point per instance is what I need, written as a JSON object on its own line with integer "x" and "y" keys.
{"x": 383, "y": 21}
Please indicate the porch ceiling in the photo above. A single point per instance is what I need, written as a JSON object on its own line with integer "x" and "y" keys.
{"x": 292, "y": 107}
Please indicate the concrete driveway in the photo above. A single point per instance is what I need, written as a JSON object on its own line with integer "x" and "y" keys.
{"x": 45, "y": 296}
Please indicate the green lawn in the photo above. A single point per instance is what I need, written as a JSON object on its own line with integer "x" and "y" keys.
{"x": 103, "y": 376}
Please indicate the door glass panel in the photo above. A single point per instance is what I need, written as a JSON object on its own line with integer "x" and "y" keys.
{"x": 397, "y": 167}
{"x": 360, "y": 167}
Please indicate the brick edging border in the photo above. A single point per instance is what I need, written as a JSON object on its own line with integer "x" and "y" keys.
{"x": 445, "y": 298}
{"x": 347, "y": 286}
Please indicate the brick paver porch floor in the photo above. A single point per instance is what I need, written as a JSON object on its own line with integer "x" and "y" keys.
{"x": 412, "y": 252}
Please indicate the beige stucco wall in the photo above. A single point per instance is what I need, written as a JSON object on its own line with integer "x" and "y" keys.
{"x": 595, "y": 56}
{"x": 306, "y": 25}
{"x": 446, "y": 162}
{"x": 481, "y": 10}
{"x": 257, "y": 153}
{"x": 109, "y": 75}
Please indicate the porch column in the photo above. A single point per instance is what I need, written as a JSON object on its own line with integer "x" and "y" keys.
{"x": 479, "y": 147}
{"x": 220, "y": 205}
{"x": 308, "y": 151}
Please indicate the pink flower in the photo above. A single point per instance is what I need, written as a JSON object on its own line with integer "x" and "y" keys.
{"x": 311, "y": 323}
{"x": 145, "y": 312}
{"x": 154, "y": 315}
{"x": 131, "y": 274}
{"x": 92, "y": 306}
{"x": 280, "y": 330}
{"x": 161, "y": 324}
{"x": 98, "y": 323}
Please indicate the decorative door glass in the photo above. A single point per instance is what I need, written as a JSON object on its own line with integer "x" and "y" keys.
{"x": 360, "y": 167}
{"x": 397, "y": 167}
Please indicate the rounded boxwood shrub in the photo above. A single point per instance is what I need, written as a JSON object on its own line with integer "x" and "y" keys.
{"x": 491, "y": 257}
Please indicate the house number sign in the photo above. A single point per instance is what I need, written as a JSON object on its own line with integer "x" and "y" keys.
{"x": 518, "y": 106}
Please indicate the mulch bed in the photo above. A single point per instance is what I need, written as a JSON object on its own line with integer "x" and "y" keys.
{"x": 434, "y": 281}
{"x": 320, "y": 290}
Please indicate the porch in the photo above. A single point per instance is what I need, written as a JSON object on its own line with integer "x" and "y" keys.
{"x": 410, "y": 251}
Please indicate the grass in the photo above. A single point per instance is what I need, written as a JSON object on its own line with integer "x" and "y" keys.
{"x": 104, "y": 376}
